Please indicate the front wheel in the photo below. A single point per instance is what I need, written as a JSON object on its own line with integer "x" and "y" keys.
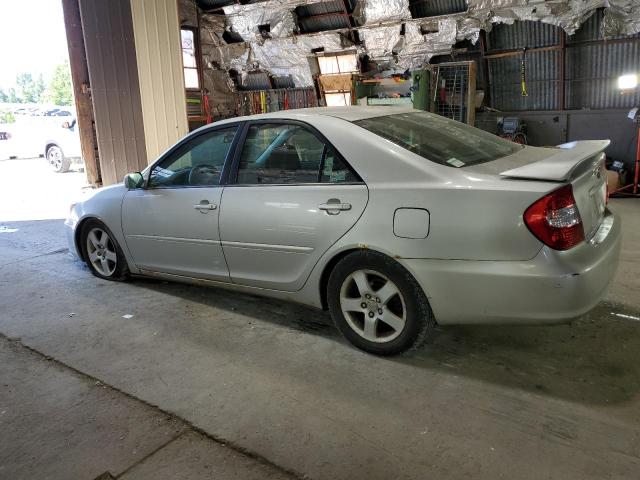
{"x": 57, "y": 160}
{"x": 102, "y": 253}
{"x": 377, "y": 304}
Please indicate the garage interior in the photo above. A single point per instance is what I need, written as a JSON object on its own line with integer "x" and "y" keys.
{"x": 151, "y": 379}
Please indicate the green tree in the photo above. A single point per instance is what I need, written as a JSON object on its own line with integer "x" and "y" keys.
{"x": 39, "y": 88}
{"x": 59, "y": 91}
{"x": 29, "y": 88}
{"x": 13, "y": 96}
{"x": 4, "y": 97}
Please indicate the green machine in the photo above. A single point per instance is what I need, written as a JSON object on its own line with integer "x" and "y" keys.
{"x": 420, "y": 89}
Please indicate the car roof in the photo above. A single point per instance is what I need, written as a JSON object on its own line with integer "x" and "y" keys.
{"x": 351, "y": 114}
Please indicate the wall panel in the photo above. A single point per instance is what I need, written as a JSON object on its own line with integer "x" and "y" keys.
{"x": 159, "y": 59}
{"x": 111, "y": 60}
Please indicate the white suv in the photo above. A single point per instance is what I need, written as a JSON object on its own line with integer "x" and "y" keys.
{"x": 62, "y": 145}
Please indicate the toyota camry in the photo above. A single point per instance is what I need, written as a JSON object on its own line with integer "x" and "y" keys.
{"x": 392, "y": 219}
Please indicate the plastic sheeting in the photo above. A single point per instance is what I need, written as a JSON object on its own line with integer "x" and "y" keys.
{"x": 370, "y": 12}
{"x": 622, "y": 17}
{"x": 289, "y": 56}
{"x": 278, "y": 14}
{"x": 284, "y": 53}
{"x": 226, "y": 57}
{"x": 380, "y": 42}
{"x": 420, "y": 47}
{"x": 212, "y": 28}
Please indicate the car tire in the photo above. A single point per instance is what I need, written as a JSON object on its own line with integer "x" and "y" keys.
{"x": 57, "y": 160}
{"x": 378, "y": 305}
{"x": 101, "y": 252}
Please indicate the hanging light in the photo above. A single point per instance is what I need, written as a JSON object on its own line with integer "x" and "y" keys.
{"x": 628, "y": 81}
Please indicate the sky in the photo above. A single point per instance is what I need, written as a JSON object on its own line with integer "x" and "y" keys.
{"x": 32, "y": 38}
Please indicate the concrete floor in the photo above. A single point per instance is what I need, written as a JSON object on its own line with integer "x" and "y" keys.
{"x": 276, "y": 382}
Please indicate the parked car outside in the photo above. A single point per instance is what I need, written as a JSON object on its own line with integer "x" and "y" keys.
{"x": 393, "y": 219}
{"x": 5, "y": 136}
{"x": 61, "y": 144}
{"x": 46, "y": 132}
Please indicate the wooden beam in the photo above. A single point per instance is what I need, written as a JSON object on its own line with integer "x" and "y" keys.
{"x": 485, "y": 67}
{"x": 81, "y": 90}
{"x": 518, "y": 52}
{"x": 471, "y": 95}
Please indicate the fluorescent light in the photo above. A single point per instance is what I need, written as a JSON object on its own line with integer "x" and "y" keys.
{"x": 627, "y": 82}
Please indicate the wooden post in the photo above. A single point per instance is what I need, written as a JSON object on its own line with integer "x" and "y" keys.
{"x": 471, "y": 95}
{"x": 81, "y": 90}
{"x": 485, "y": 68}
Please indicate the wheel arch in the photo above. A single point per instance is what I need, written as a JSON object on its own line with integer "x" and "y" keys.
{"x": 330, "y": 265}
{"x": 51, "y": 143}
{"x": 78, "y": 233}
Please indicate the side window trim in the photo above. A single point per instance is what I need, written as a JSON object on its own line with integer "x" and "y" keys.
{"x": 224, "y": 176}
{"x": 325, "y": 150}
{"x": 235, "y": 164}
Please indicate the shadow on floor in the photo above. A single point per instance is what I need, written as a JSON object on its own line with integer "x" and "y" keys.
{"x": 593, "y": 360}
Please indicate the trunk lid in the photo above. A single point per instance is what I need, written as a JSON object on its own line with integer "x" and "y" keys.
{"x": 581, "y": 164}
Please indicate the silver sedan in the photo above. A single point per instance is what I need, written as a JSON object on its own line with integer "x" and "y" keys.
{"x": 392, "y": 219}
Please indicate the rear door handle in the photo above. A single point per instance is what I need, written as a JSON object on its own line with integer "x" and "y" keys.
{"x": 205, "y": 206}
{"x": 334, "y": 206}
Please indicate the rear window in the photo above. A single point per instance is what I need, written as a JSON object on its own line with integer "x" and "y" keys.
{"x": 439, "y": 139}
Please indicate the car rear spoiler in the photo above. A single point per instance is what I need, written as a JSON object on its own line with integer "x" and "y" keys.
{"x": 561, "y": 164}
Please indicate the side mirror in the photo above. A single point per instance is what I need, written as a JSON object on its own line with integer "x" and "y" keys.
{"x": 133, "y": 180}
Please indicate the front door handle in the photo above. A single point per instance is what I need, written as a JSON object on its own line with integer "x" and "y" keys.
{"x": 204, "y": 206}
{"x": 334, "y": 206}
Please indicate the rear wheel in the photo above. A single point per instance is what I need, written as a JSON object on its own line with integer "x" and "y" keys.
{"x": 57, "y": 160}
{"x": 378, "y": 305}
{"x": 102, "y": 253}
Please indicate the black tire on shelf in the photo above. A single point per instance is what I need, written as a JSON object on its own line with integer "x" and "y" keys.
{"x": 117, "y": 270}
{"x": 419, "y": 321}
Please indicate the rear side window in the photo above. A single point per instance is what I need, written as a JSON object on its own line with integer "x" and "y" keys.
{"x": 334, "y": 170}
{"x": 289, "y": 154}
{"x": 439, "y": 139}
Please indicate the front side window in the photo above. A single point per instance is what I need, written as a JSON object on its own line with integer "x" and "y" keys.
{"x": 198, "y": 162}
{"x": 440, "y": 139}
{"x": 279, "y": 153}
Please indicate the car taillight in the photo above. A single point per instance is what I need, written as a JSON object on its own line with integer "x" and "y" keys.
{"x": 555, "y": 219}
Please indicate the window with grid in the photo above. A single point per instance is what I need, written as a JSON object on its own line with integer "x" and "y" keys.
{"x": 338, "y": 64}
{"x": 189, "y": 59}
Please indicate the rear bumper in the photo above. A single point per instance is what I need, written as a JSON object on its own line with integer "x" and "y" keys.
{"x": 552, "y": 287}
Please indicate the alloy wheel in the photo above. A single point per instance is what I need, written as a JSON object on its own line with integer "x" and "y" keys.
{"x": 101, "y": 252}
{"x": 54, "y": 155}
{"x": 373, "y": 306}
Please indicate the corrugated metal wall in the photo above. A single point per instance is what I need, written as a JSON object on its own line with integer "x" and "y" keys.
{"x": 113, "y": 72}
{"x": 159, "y": 60}
{"x": 541, "y": 70}
{"x": 592, "y": 75}
{"x": 434, "y": 8}
{"x": 331, "y": 16}
{"x": 591, "y": 70}
{"x": 522, "y": 34}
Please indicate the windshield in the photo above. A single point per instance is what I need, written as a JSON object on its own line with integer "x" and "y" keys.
{"x": 439, "y": 139}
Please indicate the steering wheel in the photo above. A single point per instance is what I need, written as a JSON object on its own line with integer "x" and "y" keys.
{"x": 204, "y": 175}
